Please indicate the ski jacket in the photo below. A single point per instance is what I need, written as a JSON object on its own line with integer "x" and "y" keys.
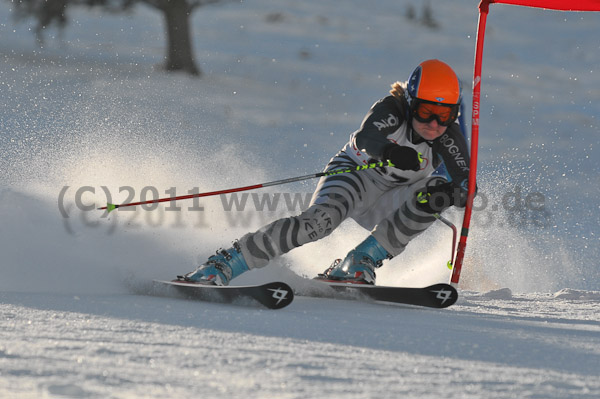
{"x": 388, "y": 122}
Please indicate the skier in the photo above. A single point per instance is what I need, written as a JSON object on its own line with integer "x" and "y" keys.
{"x": 415, "y": 129}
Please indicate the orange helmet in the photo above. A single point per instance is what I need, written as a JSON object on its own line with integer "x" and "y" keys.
{"x": 434, "y": 92}
{"x": 434, "y": 81}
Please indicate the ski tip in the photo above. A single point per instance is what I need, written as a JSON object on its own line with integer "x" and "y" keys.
{"x": 445, "y": 294}
{"x": 279, "y": 295}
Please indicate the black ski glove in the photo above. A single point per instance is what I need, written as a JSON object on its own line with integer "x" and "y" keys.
{"x": 437, "y": 198}
{"x": 405, "y": 158}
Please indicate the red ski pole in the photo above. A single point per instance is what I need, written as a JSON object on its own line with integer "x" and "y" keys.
{"x": 111, "y": 207}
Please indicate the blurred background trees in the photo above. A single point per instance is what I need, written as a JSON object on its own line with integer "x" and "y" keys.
{"x": 176, "y": 15}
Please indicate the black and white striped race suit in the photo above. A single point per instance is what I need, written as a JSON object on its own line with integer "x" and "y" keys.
{"x": 381, "y": 200}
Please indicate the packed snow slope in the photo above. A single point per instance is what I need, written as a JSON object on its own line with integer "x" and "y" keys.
{"x": 90, "y": 118}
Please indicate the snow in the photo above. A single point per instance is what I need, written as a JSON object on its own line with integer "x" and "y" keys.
{"x": 90, "y": 116}
{"x": 134, "y": 346}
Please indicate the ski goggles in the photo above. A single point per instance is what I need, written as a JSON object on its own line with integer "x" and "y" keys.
{"x": 426, "y": 111}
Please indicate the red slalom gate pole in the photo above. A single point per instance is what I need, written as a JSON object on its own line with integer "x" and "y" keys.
{"x": 462, "y": 244}
{"x": 560, "y": 5}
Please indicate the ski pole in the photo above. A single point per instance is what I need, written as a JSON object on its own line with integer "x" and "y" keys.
{"x": 111, "y": 207}
{"x": 448, "y": 223}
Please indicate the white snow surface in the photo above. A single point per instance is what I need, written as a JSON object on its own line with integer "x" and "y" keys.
{"x": 91, "y": 118}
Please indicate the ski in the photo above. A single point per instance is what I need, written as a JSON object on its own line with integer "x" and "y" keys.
{"x": 275, "y": 295}
{"x": 434, "y": 296}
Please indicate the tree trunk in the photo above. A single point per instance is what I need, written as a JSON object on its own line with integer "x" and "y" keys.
{"x": 180, "y": 56}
